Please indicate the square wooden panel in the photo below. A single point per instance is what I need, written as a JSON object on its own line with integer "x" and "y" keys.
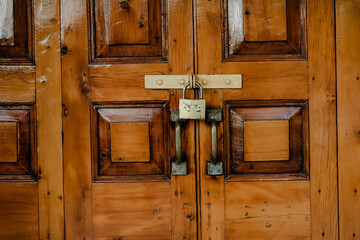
{"x": 16, "y": 35}
{"x": 264, "y": 30}
{"x": 17, "y": 142}
{"x": 128, "y": 30}
{"x": 267, "y": 138}
{"x": 130, "y": 141}
{"x": 8, "y": 142}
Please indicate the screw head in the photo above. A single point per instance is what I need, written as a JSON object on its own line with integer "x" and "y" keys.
{"x": 182, "y": 82}
{"x": 204, "y": 82}
{"x": 227, "y": 81}
{"x": 159, "y": 82}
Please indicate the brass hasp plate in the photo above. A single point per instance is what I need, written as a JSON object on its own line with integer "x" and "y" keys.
{"x": 206, "y": 81}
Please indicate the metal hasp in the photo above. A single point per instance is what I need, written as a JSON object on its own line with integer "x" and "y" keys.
{"x": 177, "y": 167}
{"x": 215, "y": 166}
{"x": 231, "y": 81}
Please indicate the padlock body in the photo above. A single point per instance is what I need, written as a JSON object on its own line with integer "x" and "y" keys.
{"x": 192, "y": 109}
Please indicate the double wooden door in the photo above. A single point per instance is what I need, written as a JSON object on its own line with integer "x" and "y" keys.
{"x": 276, "y": 140}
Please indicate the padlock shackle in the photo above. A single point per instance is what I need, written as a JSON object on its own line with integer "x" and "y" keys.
{"x": 201, "y": 89}
{"x": 197, "y": 84}
{"x": 184, "y": 89}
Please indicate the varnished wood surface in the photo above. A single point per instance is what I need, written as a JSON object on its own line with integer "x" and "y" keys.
{"x": 126, "y": 149}
{"x": 322, "y": 115}
{"x": 76, "y": 120}
{"x": 21, "y": 51}
{"x": 108, "y": 81}
{"x": 121, "y": 31}
{"x": 268, "y": 210}
{"x": 8, "y": 142}
{"x": 132, "y": 211}
{"x": 265, "y": 20}
{"x": 181, "y": 61}
{"x": 348, "y": 109}
{"x": 49, "y": 118}
{"x": 17, "y": 84}
{"x": 24, "y": 168}
{"x": 268, "y": 80}
{"x": 19, "y": 211}
{"x": 266, "y": 140}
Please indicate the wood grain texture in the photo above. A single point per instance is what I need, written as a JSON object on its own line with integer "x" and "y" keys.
{"x": 348, "y": 107}
{"x": 209, "y": 58}
{"x": 156, "y": 118}
{"x": 128, "y": 22}
{"x": 18, "y": 49}
{"x": 17, "y": 84}
{"x": 128, "y": 31}
{"x": 265, "y": 20}
{"x": 107, "y": 81}
{"x": 322, "y": 109}
{"x": 7, "y": 23}
{"x": 272, "y": 30}
{"x": 49, "y": 118}
{"x": 19, "y": 211}
{"x": 266, "y": 140}
{"x": 268, "y": 80}
{"x": 181, "y": 62}
{"x": 132, "y": 211}
{"x": 24, "y": 168}
{"x": 268, "y": 210}
{"x": 238, "y": 113}
{"x": 76, "y": 120}
{"x": 8, "y": 142}
{"x": 130, "y": 142}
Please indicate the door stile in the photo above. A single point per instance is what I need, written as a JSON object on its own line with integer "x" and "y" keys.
{"x": 76, "y": 120}
{"x": 322, "y": 108}
{"x": 181, "y": 61}
{"x": 211, "y": 189}
{"x": 48, "y": 120}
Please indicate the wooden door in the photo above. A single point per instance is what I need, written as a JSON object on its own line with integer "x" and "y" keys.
{"x": 277, "y": 141}
{"x": 118, "y": 138}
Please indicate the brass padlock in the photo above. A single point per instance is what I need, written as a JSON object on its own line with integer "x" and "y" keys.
{"x": 192, "y": 108}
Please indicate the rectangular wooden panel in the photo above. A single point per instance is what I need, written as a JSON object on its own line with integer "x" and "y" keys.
{"x": 348, "y": 109}
{"x": 132, "y": 211}
{"x": 268, "y": 80}
{"x": 16, "y": 32}
{"x": 289, "y": 139}
{"x": 266, "y": 140}
{"x": 265, "y": 20}
{"x": 264, "y": 30}
{"x": 128, "y": 31}
{"x": 267, "y": 210}
{"x": 155, "y": 116}
{"x": 130, "y": 142}
{"x": 17, "y": 84}
{"x": 127, "y": 22}
{"x": 8, "y": 142}
{"x": 19, "y": 211}
{"x": 6, "y": 23}
{"x": 107, "y": 81}
{"x": 18, "y": 122}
